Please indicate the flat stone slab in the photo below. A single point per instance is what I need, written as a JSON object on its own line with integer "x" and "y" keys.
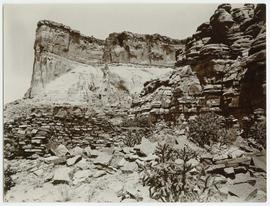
{"x": 55, "y": 160}
{"x": 103, "y": 159}
{"x": 74, "y": 160}
{"x": 61, "y": 175}
{"x": 129, "y": 167}
{"x": 229, "y": 171}
{"x": 99, "y": 173}
{"x": 61, "y": 150}
{"x": 81, "y": 175}
{"x": 215, "y": 168}
{"x": 243, "y": 191}
{"x": 259, "y": 162}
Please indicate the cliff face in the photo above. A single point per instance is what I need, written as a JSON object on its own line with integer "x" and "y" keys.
{"x": 127, "y": 47}
{"x": 56, "y": 45}
{"x": 225, "y": 62}
{"x": 72, "y": 68}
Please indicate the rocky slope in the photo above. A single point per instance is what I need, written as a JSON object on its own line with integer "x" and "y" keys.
{"x": 224, "y": 63}
{"x": 75, "y": 138}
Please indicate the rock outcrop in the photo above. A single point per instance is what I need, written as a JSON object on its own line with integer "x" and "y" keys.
{"x": 127, "y": 47}
{"x": 56, "y": 45}
{"x": 61, "y": 51}
{"x": 225, "y": 64}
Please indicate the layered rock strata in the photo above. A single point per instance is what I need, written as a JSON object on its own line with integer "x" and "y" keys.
{"x": 227, "y": 57}
{"x": 127, "y": 47}
{"x": 60, "y": 49}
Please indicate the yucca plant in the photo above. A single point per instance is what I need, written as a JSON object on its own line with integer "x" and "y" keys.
{"x": 170, "y": 181}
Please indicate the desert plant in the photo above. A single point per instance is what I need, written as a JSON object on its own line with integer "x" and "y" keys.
{"x": 206, "y": 129}
{"x": 164, "y": 153}
{"x": 132, "y": 139}
{"x": 257, "y": 132}
{"x": 8, "y": 182}
{"x": 171, "y": 181}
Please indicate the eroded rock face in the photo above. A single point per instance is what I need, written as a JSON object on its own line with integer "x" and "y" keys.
{"x": 127, "y": 47}
{"x": 61, "y": 53}
{"x": 56, "y": 47}
{"x": 226, "y": 57}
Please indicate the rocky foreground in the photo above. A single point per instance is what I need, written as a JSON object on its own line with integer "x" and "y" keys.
{"x": 143, "y": 117}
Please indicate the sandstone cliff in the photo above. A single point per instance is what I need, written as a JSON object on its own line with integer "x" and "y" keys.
{"x": 127, "y": 47}
{"x": 54, "y": 46}
{"x": 221, "y": 68}
{"x": 70, "y": 67}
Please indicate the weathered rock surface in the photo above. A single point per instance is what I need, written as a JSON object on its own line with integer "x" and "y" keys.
{"x": 227, "y": 64}
{"x": 61, "y": 51}
{"x": 127, "y": 47}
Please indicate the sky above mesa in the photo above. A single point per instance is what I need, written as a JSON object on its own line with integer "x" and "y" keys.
{"x": 98, "y": 20}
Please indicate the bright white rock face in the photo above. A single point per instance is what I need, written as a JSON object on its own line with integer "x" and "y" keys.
{"x": 112, "y": 85}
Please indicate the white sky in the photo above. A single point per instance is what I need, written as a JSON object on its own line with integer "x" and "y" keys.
{"x": 174, "y": 20}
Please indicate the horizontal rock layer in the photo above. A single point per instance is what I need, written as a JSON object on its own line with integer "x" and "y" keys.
{"x": 127, "y": 47}
{"x": 223, "y": 64}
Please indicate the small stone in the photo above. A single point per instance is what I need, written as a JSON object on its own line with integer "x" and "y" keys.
{"x": 179, "y": 161}
{"x": 81, "y": 176}
{"x": 61, "y": 150}
{"x": 103, "y": 159}
{"x": 193, "y": 162}
{"x": 74, "y": 160}
{"x": 77, "y": 151}
{"x": 88, "y": 151}
{"x": 229, "y": 170}
{"x": 127, "y": 150}
{"x": 99, "y": 173}
{"x": 215, "y": 168}
{"x": 146, "y": 147}
{"x": 54, "y": 160}
{"x": 220, "y": 157}
{"x": 83, "y": 164}
{"x": 129, "y": 167}
{"x": 259, "y": 162}
{"x": 61, "y": 175}
{"x": 38, "y": 172}
{"x": 121, "y": 162}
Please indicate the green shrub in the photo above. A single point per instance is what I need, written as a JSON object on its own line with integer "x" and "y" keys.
{"x": 132, "y": 139}
{"x": 257, "y": 132}
{"x": 207, "y": 129}
{"x": 171, "y": 181}
{"x": 8, "y": 182}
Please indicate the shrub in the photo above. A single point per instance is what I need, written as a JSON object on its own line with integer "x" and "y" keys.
{"x": 206, "y": 129}
{"x": 132, "y": 139}
{"x": 170, "y": 181}
{"x": 257, "y": 132}
{"x": 8, "y": 182}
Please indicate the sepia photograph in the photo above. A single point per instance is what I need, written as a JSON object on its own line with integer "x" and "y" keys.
{"x": 134, "y": 102}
